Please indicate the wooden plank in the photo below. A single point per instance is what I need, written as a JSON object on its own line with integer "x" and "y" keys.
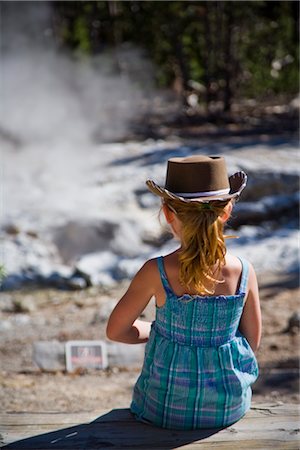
{"x": 264, "y": 427}
{"x": 61, "y": 418}
{"x": 53, "y": 418}
{"x": 58, "y": 418}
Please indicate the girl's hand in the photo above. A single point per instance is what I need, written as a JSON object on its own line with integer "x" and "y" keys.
{"x": 123, "y": 324}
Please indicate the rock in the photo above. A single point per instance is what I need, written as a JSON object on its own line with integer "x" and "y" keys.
{"x": 56, "y": 280}
{"x": 127, "y": 241}
{"x": 97, "y": 268}
{"x": 295, "y": 103}
{"x": 12, "y": 229}
{"x": 75, "y": 238}
{"x": 32, "y": 234}
{"x": 23, "y": 305}
{"x": 12, "y": 281}
{"x": 124, "y": 355}
{"x": 267, "y": 249}
{"x": 146, "y": 199}
{"x": 245, "y": 212}
{"x": 76, "y": 283}
{"x": 253, "y": 213}
{"x": 49, "y": 355}
{"x": 156, "y": 240}
{"x": 63, "y": 277}
{"x": 104, "y": 279}
{"x": 127, "y": 268}
{"x": 6, "y": 303}
{"x": 293, "y": 325}
{"x": 97, "y": 318}
{"x": 269, "y": 183}
{"x": 27, "y": 260}
{"x": 21, "y": 320}
{"x": 106, "y": 310}
{"x": 5, "y": 325}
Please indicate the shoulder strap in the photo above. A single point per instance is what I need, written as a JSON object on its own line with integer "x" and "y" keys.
{"x": 163, "y": 275}
{"x": 244, "y": 277}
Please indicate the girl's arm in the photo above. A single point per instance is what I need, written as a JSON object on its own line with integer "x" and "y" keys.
{"x": 123, "y": 324}
{"x": 250, "y": 323}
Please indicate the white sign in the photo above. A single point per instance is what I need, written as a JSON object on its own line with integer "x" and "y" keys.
{"x": 86, "y": 354}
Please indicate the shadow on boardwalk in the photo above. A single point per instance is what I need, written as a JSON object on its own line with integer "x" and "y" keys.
{"x": 116, "y": 429}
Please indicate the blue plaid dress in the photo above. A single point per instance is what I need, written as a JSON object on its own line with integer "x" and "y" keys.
{"x": 198, "y": 369}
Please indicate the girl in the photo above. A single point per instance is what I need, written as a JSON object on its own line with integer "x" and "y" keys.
{"x": 199, "y": 359}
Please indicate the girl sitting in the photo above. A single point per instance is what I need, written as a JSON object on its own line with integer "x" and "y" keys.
{"x": 199, "y": 359}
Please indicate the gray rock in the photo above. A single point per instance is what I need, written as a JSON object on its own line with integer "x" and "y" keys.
{"x": 11, "y": 228}
{"x": 12, "y": 281}
{"x": 21, "y": 320}
{"x": 127, "y": 240}
{"x": 127, "y": 268}
{"x": 23, "y": 305}
{"x": 27, "y": 260}
{"x": 265, "y": 183}
{"x": 55, "y": 280}
{"x": 79, "y": 238}
{"x": 76, "y": 283}
{"x": 146, "y": 199}
{"x": 279, "y": 206}
{"x": 124, "y": 355}
{"x": 49, "y": 355}
{"x": 63, "y": 277}
{"x": 106, "y": 310}
{"x": 293, "y": 325}
{"x": 97, "y": 268}
{"x": 5, "y": 325}
{"x": 6, "y": 303}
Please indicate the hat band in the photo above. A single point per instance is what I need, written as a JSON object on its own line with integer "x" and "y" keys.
{"x": 202, "y": 194}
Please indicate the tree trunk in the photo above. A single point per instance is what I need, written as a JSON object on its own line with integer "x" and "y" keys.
{"x": 208, "y": 49}
{"x": 228, "y": 60}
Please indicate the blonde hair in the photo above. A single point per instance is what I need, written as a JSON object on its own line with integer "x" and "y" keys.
{"x": 203, "y": 243}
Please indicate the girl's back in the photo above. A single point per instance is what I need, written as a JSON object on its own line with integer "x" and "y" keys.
{"x": 229, "y": 278}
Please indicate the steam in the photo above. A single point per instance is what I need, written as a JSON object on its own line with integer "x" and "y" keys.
{"x": 50, "y": 96}
{"x": 58, "y": 113}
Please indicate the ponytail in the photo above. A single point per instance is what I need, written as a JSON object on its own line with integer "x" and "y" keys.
{"x": 203, "y": 243}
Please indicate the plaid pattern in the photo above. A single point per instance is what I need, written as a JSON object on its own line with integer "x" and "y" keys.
{"x": 198, "y": 369}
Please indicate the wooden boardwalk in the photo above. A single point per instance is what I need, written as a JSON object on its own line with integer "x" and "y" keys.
{"x": 266, "y": 426}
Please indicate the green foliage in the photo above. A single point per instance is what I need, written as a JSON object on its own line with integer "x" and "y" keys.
{"x": 240, "y": 48}
{"x": 81, "y": 35}
{"x": 2, "y": 274}
{"x": 269, "y": 52}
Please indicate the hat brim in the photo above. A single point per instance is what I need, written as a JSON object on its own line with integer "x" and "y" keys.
{"x": 237, "y": 183}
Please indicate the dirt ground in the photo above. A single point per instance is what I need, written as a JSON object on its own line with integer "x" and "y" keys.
{"x": 31, "y": 315}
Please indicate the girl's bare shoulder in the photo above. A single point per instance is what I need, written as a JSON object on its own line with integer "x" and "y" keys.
{"x": 230, "y": 276}
{"x": 232, "y": 266}
{"x": 232, "y": 270}
{"x": 149, "y": 271}
{"x": 150, "y": 265}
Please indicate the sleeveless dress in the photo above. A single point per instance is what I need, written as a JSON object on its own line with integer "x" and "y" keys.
{"x": 198, "y": 368}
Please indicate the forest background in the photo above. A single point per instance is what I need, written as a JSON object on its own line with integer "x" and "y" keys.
{"x": 209, "y": 52}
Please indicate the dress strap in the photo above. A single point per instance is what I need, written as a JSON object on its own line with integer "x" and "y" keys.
{"x": 163, "y": 276}
{"x": 244, "y": 276}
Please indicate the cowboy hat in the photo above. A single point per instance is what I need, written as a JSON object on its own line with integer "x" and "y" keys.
{"x": 199, "y": 178}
